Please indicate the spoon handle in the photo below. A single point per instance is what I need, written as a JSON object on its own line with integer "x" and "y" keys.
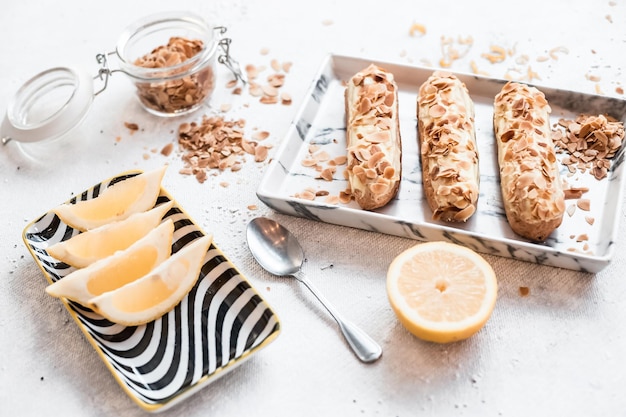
{"x": 365, "y": 348}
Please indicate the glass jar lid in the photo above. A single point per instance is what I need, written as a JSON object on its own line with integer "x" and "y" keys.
{"x": 48, "y": 105}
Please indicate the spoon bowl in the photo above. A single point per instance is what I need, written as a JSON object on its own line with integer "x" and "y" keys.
{"x": 275, "y": 248}
{"x": 280, "y": 253}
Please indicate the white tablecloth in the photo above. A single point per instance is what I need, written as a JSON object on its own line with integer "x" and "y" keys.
{"x": 557, "y": 351}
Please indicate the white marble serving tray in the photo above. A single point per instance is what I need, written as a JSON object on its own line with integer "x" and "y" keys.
{"x": 321, "y": 120}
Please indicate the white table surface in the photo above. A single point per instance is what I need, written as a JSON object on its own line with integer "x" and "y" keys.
{"x": 558, "y": 351}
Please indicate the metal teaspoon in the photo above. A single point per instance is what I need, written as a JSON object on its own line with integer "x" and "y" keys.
{"x": 279, "y": 253}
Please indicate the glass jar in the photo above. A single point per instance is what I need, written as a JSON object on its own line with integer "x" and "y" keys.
{"x": 172, "y": 78}
{"x": 171, "y": 59}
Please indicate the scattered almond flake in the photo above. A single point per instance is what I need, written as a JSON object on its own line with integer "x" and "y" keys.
{"x": 255, "y": 90}
{"x": 252, "y": 71}
{"x": 322, "y": 156}
{"x": 340, "y": 160}
{"x": 524, "y": 291}
{"x": 609, "y": 18}
{"x": 167, "y": 149}
{"x": 524, "y": 59}
{"x": 276, "y": 80}
{"x": 498, "y": 54}
{"x": 269, "y": 99}
{"x": 592, "y": 77}
{"x": 321, "y": 193}
{"x": 590, "y": 220}
{"x": 260, "y": 135}
{"x": 118, "y": 138}
{"x": 450, "y": 49}
{"x": 231, "y": 83}
{"x": 224, "y": 184}
{"x": 260, "y": 153}
{"x": 599, "y": 90}
{"x": 225, "y": 107}
{"x": 619, "y": 90}
{"x": 269, "y": 90}
{"x": 305, "y": 195}
{"x": 582, "y": 238}
{"x": 327, "y": 174}
{"x": 530, "y": 74}
{"x": 417, "y": 28}
{"x": 332, "y": 199}
{"x": 475, "y": 69}
{"x": 571, "y": 209}
{"x": 572, "y": 193}
{"x": 237, "y": 90}
{"x": 131, "y": 126}
{"x": 285, "y": 99}
{"x": 264, "y": 51}
{"x": 345, "y": 196}
{"x": 201, "y": 176}
{"x": 146, "y": 156}
{"x": 327, "y": 22}
{"x": 253, "y": 207}
{"x": 572, "y": 236}
{"x": 308, "y": 162}
{"x": 558, "y": 50}
{"x": 584, "y": 204}
{"x": 542, "y": 58}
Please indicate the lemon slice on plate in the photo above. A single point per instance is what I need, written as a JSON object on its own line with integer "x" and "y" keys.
{"x": 117, "y": 202}
{"x": 441, "y": 292}
{"x": 156, "y": 293}
{"x": 88, "y": 247}
{"x": 118, "y": 269}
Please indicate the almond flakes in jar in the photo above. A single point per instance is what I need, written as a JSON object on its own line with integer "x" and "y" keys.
{"x": 171, "y": 59}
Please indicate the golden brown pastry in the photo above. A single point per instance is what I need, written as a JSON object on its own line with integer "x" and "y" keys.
{"x": 532, "y": 191}
{"x": 449, "y": 154}
{"x": 373, "y": 137}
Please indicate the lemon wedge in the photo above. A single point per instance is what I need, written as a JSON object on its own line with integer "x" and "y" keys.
{"x": 156, "y": 293}
{"x": 88, "y": 247}
{"x": 117, "y": 202}
{"x": 118, "y": 269}
{"x": 441, "y": 292}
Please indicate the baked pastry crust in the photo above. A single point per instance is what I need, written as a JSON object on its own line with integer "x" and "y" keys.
{"x": 532, "y": 191}
{"x": 373, "y": 139}
{"x": 449, "y": 154}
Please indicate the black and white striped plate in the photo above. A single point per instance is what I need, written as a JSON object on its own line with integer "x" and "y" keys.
{"x": 219, "y": 324}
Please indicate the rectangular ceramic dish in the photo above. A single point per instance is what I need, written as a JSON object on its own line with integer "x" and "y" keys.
{"x": 220, "y": 323}
{"x": 321, "y": 122}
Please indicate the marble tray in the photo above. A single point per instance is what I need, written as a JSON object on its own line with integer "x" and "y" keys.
{"x": 320, "y": 121}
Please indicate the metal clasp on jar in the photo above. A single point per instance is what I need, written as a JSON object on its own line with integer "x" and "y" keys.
{"x": 226, "y": 59}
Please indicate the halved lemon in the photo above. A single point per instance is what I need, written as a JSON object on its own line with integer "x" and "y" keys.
{"x": 156, "y": 293}
{"x": 117, "y": 270}
{"x": 88, "y": 247}
{"x": 441, "y": 292}
{"x": 117, "y": 202}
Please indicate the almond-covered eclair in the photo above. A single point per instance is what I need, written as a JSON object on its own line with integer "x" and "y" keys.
{"x": 373, "y": 137}
{"x": 532, "y": 191}
{"x": 449, "y": 154}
